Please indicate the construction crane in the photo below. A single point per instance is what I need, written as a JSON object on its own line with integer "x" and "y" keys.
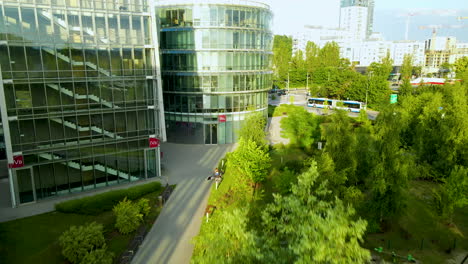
{"x": 436, "y": 27}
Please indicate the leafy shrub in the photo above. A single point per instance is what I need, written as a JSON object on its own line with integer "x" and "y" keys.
{"x": 128, "y": 216}
{"x": 144, "y": 207}
{"x": 96, "y": 204}
{"x": 98, "y": 256}
{"x": 284, "y": 180}
{"x": 78, "y": 241}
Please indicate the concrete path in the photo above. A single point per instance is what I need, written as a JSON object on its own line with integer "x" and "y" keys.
{"x": 274, "y": 131}
{"x": 169, "y": 240}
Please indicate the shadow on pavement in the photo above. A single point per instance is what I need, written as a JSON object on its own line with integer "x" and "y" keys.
{"x": 169, "y": 240}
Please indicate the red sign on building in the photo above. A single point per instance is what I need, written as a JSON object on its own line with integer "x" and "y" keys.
{"x": 18, "y": 162}
{"x": 153, "y": 142}
{"x": 222, "y": 118}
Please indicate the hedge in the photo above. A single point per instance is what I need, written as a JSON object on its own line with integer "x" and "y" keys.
{"x": 96, "y": 204}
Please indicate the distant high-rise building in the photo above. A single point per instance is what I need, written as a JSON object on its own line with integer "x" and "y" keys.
{"x": 357, "y": 16}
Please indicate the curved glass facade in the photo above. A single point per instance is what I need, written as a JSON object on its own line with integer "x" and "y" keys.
{"x": 216, "y": 67}
{"x": 80, "y": 94}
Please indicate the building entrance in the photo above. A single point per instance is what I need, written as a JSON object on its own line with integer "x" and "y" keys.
{"x": 25, "y": 183}
{"x": 211, "y": 134}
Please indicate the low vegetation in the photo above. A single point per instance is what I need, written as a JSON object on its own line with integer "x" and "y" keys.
{"x": 42, "y": 238}
{"x": 96, "y": 204}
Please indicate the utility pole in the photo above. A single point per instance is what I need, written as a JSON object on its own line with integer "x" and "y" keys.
{"x": 307, "y": 81}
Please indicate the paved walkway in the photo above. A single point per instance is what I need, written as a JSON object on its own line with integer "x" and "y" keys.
{"x": 169, "y": 240}
{"x": 274, "y": 131}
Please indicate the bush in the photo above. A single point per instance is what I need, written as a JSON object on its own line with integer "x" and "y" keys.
{"x": 144, "y": 207}
{"x": 284, "y": 180}
{"x": 96, "y": 204}
{"x": 78, "y": 241}
{"x": 128, "y": 216}
{"x": 98, "y": 256}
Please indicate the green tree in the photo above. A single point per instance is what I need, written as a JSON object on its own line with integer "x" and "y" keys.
{"x": 253, "y": 129}
{"x": 407, "y": 67}
{"x": 298, "y": 71}
{"x": 379, "y": 91}
{"x": 76, "y": 242}
{"x": 405, "y": 88}
{"x": 329, "y": 55}
{"x": 388, "y": 179}
{"x": 304, "y": 228}
{"x": 461, "y": 66}
{"x": 301, "y": 127}
{"x": 417, "y": 71}
{"x": 341, "y": 145}
{"x": 250, "y": 160}
{"x": 226, "y": 239}
{"x": 312, "y": 52}
{"x": 282, "y": 53}
{"x": 98, "y": 256}
{"x": 128, "y": 216}
{"x": 453, "y": 193}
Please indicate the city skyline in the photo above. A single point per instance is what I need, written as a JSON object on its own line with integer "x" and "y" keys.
{"x": 327, "y": 14}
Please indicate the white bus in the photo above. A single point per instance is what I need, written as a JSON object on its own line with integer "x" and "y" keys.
{"x": 350, "y": 106}
{"x": 320, "y": 103}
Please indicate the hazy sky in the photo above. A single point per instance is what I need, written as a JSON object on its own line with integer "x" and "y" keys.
{"x": 292, "y": 15}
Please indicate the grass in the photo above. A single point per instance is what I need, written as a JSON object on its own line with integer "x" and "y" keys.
{"x": 419, "y": 226}
{"x": 35, "y": 239}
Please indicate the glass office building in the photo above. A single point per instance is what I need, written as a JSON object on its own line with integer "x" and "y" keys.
{"x": 79, "y": 95}
{"x": 216, "y": 67}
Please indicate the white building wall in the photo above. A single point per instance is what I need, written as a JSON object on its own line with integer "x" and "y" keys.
{"x": 401, "y": 48}
{"x": 460, "y": 51}
{"x": 354, "y": 20}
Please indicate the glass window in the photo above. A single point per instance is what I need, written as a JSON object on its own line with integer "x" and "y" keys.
{"x": 29, "y": 23}
{"x": 235, "y": 18}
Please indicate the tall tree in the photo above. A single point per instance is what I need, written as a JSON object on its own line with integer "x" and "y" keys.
{"x": 341, "y": 144}
{"x": 461, "y": 66}
{"x": 453, "y": 193}
{"x": 282, "y": 53}
{"x": 251, "y": 161}
{"x": 226, "y": 239}
{"x": 379, "y": 91}
{"x": 389, "y": 177}
{"x": 253, "y": 129}
{"x": 312, "y": 52}
{"x": 407, "y": 67}
{"x": 304, "y": 227}
{"x": 298, "y": 72}
{"x": 329, "y": 55}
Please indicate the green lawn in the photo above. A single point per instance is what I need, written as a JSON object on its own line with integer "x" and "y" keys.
{"x": 419, "y": 226}
{"x": 35, "y": 239}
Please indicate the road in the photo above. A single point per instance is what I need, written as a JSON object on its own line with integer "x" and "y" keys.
{"x": 300, "y": 99}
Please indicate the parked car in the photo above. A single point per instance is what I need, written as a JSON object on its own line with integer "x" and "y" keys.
{"x": 281, "y": 92}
